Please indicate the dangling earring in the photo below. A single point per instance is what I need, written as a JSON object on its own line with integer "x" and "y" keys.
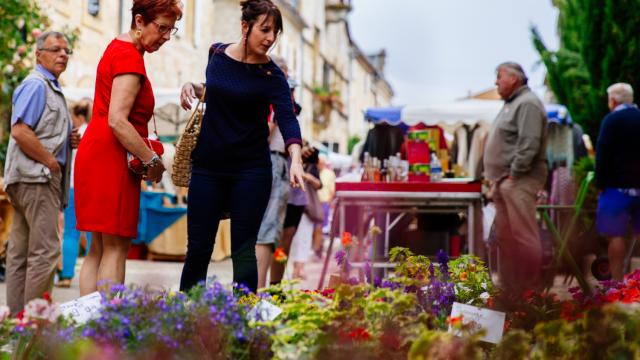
{"x": 138, "y": 34}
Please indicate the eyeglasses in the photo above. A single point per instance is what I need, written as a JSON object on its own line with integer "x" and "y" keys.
{"x": 163, "y": 29}
{"x": 57, "y": 50}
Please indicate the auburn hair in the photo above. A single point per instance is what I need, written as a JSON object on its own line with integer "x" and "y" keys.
{"x": 152, "y": 9}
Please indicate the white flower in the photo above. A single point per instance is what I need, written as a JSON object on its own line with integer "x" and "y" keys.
{"x": 484, "y": 296}
{"x": 40, "y": 309}
{"x": 4, "y": 313}
{"x": 484, "y": 285}
{"x": 8, "y": 69}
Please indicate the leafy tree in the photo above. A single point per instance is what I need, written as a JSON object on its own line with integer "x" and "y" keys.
{"x": 599, "y": 45}
{"x": 21, "y": 22}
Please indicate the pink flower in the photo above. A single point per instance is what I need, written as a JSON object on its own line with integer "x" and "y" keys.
{"x": 35, "y": 33}
{"x": 116, "y": 301}
{"x": 4, "y": 313}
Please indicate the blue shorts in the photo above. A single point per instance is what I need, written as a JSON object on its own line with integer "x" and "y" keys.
{"x": 616, "y": 211}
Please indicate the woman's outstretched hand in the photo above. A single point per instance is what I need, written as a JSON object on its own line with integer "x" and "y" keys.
{"x": 296, "y": 172}
{"x": 296, "y": 175}
{"x": 190, "y": 92}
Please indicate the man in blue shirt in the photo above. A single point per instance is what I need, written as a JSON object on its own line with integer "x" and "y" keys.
{"x": 618, "y": 174}
{"x": 37, "y": 173}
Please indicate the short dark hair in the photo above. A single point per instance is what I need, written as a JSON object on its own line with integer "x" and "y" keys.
{"x": 151, "y": 9}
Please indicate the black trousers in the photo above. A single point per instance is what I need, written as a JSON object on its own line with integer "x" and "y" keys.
{"x": 245, "y": 194}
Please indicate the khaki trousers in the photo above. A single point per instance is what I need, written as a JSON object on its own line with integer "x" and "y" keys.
{"x": 517, "y": 233}
{"x": 34, "y": 244}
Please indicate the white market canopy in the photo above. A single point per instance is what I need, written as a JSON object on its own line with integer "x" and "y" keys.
{"x": 451, "y": 115}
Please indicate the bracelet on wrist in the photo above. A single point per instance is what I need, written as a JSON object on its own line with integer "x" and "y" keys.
{"x": 155, "y": 159}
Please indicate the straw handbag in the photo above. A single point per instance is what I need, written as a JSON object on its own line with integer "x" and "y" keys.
{"x": 186, "y": 143}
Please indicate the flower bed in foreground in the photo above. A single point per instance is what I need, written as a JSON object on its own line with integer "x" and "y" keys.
{"x": 404, "y": 316}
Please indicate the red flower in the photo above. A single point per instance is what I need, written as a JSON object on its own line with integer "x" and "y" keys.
{"x": 346, "y": 239}
{"x": 612, "y": 296}
{"x": 506, "y": 326}
{"x": 359, "y": 334}
{"x": 328, "y": 293}
{"x": 47, "y": 297}
{"x": 570, "y": 312}
{"x": 631, "y": 295}
{"x": 354, "y": 334}
{"x": 528, "y": 295}
{"x": 490, "y": 302}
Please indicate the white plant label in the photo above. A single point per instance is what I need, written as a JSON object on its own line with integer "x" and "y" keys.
{"x": 490, "y": 320}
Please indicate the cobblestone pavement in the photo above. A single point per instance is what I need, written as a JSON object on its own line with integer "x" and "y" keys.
{"x": 166, "y": 275}
{"x": 154, "y": 274}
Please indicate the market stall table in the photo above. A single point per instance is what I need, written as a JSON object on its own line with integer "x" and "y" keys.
{"x": 395, "y": 199}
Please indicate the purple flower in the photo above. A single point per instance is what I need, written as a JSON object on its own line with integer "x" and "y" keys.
{"x": 340, "y": 257}
{"x": 367, "y": 271}
{"x": 443, "y": 259}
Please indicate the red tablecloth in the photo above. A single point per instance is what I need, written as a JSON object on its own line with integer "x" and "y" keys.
{"x": 409, "y": 186}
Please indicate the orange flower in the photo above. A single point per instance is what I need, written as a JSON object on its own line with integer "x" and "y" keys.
{"x": 280, "y": 256}
{"x": 346, "y": 239}
{"x": 454, "y": 320}
{"x": 463, "y": 276}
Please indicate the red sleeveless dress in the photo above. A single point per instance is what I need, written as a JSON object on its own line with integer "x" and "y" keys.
{"x": 107, "y": 194}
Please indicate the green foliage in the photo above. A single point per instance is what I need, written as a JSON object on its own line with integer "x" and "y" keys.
{"x": 21, "y": 21}
{"x": 515, "y": 344}
{"x": 599, "y": 45}
{"x": 352, "y": 142}
{"x": 472, "y": 280}
{"x": 441, "y": 345}
{"x": 610, "y": 332}
{"x": 415, "y": 268}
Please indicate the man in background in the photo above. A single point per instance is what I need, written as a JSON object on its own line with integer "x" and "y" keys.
{"x": 515, "y": 163}
{"x": 37, "y": 173}
{"x": 618, "y": 174}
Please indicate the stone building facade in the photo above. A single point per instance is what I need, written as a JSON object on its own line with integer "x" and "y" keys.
{"x": 337, "y": 81}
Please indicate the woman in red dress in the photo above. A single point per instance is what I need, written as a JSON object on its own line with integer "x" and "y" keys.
{"x": 107, "y": 193}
